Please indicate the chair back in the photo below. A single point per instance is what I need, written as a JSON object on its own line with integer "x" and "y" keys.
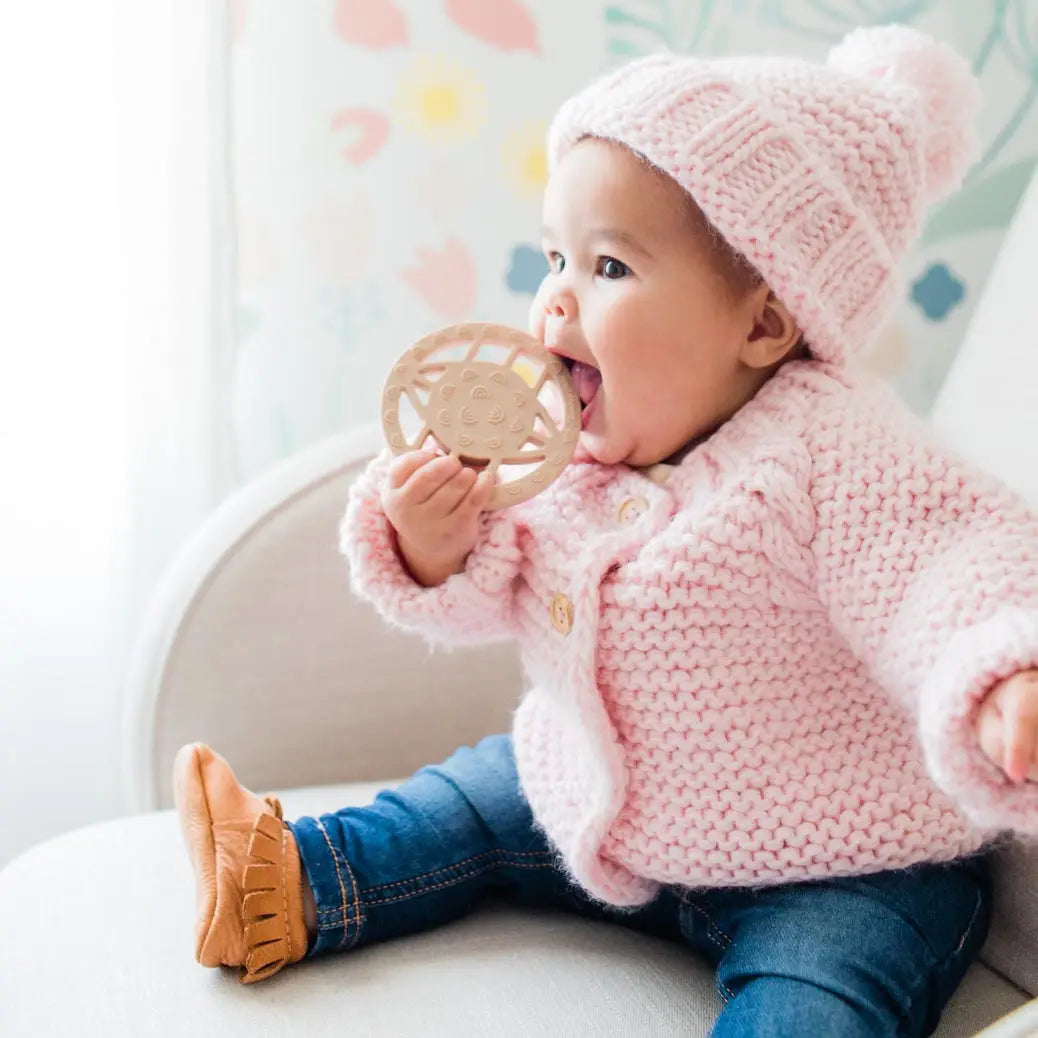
{"x": 988, "y": 411}
{"x": 256, "y": 645}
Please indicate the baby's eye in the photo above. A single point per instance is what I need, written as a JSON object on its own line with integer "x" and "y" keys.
{"x": 612, "y": 269}
{"x": 556, "y": 262}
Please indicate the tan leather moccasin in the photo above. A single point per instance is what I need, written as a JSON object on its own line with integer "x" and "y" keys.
{"x": 247, "y": 869}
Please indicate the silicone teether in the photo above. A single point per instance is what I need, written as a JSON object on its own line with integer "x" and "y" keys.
{"x": 479, "y": 391}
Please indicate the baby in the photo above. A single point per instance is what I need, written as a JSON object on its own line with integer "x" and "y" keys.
{"x": 781, "y": 647}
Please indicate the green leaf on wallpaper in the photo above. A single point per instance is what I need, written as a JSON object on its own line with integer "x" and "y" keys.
{"x": 991, "y": 203}
{"x": 618, "y": 16}
{"x": 625, "y": 48}
{"x": 826, "y": 21}
{"x": 677, "y": 25}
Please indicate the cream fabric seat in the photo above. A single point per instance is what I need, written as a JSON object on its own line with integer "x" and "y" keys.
{"x": 103, "y": 918}
{"x": 256, "y": 646}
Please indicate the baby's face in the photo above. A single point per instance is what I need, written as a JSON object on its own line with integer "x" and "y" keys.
{"x": 634, "y": 292}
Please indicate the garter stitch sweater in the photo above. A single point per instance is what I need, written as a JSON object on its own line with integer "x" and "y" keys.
{"x": 761, "y": 669}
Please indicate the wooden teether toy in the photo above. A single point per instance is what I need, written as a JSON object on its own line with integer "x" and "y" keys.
{"x": 483, "y": 393}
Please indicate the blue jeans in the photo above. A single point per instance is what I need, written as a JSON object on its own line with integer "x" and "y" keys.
{"x": 868, "y": 955}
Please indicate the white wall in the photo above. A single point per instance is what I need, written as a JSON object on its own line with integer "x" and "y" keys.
{"x": 109, "y": 366}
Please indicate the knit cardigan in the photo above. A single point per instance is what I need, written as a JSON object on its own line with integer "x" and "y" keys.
{"x": 763, "y": 669}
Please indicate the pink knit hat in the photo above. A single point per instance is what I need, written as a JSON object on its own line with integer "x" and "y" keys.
{"x": 818, "y": 174}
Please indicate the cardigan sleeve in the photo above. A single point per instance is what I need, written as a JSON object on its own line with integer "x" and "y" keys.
{"x": 472, "y": 607}
{"x": 929, "y": 569}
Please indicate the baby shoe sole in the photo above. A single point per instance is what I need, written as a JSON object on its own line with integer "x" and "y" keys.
{"x": 196, "y": 825}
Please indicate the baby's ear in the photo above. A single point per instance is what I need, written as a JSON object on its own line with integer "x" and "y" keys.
{"x": 774, "y": 333}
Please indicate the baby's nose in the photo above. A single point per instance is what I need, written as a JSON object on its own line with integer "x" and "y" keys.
{"x": 560, "y": 303}
{"x": 552, "y": 307}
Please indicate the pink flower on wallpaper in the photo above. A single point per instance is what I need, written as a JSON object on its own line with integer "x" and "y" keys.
{"x": 339, "y": 233}
{"x": 370, "y": 130}
{"x": 504, "y": 23}
{"x": 370, "y": 23}
{"x": 445, "y": 279}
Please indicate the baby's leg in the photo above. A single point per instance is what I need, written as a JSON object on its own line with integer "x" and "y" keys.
{"x": 869, "y": 955}
{"x": 425, "y": 853}
{"x": 271, "y": 892}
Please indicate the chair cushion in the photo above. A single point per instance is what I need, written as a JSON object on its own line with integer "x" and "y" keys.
{"x": 98, "y": 942}
{"x": 1010, "y": 947}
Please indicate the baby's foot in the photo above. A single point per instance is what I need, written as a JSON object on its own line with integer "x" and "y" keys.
{"x": 247, "y": 869}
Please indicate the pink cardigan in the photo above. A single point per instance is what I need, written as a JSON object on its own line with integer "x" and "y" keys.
{"x": 761, "y": 669}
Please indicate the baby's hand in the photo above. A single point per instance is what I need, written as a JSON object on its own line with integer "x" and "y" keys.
{"x": 434, "y": 503}
{"x": 1007, "y": 725}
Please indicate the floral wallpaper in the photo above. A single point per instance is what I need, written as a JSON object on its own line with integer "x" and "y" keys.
{"x": 388, "y": 160}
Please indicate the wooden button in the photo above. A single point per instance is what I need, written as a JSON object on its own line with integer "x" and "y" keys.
{"x": 631, "y": 509}
{"x": 562, "y": 614}
{"x": 659, "y": 473}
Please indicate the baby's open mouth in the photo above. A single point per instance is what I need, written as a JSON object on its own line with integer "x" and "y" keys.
{"x": 587, "y": 380}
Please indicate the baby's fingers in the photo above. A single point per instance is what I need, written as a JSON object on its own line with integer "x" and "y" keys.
{"x": 990, "y": 734}
{"x": 1020, "y": 728}
{"x": 478, "y": 488}
{"x": 479, "y": 496}
{"x": 455, "y": 492}
{"x": 426, "y": 485}
{"x": 403, "y": 467}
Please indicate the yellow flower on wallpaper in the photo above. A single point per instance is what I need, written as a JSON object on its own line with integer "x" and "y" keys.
{"x": 524, "y": 158}
{"x": 527, "y": 371}
{"x": 441, "y": 100}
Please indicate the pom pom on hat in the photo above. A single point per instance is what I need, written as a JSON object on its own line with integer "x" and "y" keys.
{"x": 945, "y": 86}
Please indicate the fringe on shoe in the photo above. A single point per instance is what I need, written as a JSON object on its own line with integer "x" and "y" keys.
{"x": 268, "y": 941}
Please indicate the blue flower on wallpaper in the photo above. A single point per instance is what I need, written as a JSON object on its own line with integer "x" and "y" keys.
{"x": 351, "y": 314}
{"x": 937, "y": 292}
{"x": 527, "y": 270}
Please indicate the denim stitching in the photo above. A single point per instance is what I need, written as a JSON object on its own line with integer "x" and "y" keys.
{"x": 335, "y": 915}
{"x": 451, "y": 882}
{"x": 448, "y": 868}
{"x": 358, "y": 915}
{"x": 965, "y": 933}
{"x": 338, "y": 876}
{"x": 724, "y": 943}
